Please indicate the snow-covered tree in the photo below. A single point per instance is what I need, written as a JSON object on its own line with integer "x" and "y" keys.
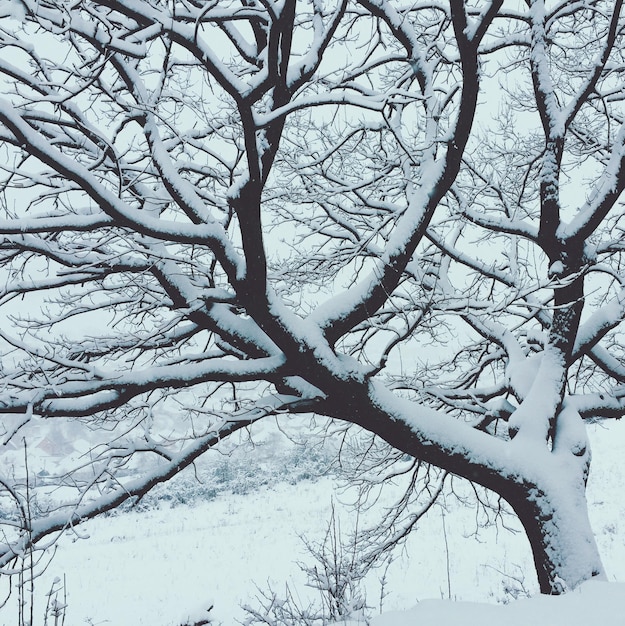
{"x": 400, "y": 215}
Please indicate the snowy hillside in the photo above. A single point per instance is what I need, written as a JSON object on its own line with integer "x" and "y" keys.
{"x": 173, "y": 557}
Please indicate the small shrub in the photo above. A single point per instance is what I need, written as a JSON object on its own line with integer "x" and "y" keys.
{"x": 336, "y": 574}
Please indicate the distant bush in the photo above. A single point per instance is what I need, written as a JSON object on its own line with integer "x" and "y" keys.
{"x": 241, "y": 471}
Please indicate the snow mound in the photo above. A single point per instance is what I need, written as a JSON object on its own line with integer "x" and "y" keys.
{"x": 593, "y": 602}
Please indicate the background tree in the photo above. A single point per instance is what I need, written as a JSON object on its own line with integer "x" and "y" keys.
{"x": 217, "y": 212}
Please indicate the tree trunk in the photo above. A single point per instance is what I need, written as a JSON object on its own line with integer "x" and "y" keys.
{"x": 554, "y": 515}
{"x": 546, "y": 487}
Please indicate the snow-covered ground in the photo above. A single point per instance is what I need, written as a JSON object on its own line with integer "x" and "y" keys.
{"x": 167, "y": 563}
{"x": 593, "y": 603}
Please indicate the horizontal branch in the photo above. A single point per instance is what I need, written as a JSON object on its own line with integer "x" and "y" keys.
{"x": 85, "y": 397}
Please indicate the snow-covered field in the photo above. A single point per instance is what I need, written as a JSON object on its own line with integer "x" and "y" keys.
{"x": 167, "y": 563}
